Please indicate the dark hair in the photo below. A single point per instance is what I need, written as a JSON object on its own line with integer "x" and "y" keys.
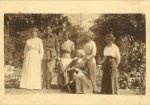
{"x": 67, "y": 34}
{"x": 47, "y": 26}
{"x": 111, "y": 36}
{"x": 36, "y": 29}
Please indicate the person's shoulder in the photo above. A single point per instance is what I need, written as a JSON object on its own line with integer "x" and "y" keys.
{"x": 70, "y": 41}
{"x": 92, "y": 41}
{"x": 115, "y": 46}
{"x": 55, "y": 36}
{"x": 39, "y": 39}
{"x": 43, "y": 35}
{"x": 29, "y": 39}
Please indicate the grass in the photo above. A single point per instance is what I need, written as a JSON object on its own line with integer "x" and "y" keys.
{"x": 12, "y": 88}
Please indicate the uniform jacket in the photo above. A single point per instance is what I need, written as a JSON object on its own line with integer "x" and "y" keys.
{"x": 51, "y": 46}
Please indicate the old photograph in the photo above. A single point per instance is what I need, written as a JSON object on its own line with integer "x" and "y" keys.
{"x": 47, "y": 53}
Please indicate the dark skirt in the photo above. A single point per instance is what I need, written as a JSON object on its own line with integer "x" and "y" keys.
{"x": 110, "y": 79}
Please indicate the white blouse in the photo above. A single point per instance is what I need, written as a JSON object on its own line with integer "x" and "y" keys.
{"x": 113, "y": 51}
{"x": 34, "y": 43}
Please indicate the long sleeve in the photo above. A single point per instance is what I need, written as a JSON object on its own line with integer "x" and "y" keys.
{"x": 93, "y": 51}
{"x": 118, "y": 57}
{"x": 113, "y": 51}
{"x": 41, "y": 50}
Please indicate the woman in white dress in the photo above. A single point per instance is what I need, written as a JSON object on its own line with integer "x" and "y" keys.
{"x": 33, "y": 54}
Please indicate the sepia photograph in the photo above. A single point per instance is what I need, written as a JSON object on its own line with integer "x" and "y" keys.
{"x": 74, "y": 52}
{"x": 60, "y": 53}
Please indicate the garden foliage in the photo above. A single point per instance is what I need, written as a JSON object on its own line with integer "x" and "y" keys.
{"x": 129, "y": 30}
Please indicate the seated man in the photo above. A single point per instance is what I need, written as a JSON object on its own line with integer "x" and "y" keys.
{"x": 78, "y": 74}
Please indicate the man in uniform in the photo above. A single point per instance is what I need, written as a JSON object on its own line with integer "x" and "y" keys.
{"x": 51, "y": 52}
{"x": 90, "y": 52}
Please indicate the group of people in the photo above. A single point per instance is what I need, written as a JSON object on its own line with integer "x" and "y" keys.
{"x": 79, "y": 72}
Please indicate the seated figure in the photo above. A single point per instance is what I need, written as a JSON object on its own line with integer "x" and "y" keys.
{"x": 78, "y": 74}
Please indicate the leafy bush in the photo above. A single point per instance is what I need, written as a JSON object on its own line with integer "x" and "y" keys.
{"x": 133, "y": 66}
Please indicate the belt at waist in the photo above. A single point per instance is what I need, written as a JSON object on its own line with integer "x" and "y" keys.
{"x": 66, "y": 55}
{"x": 108, "y": 57}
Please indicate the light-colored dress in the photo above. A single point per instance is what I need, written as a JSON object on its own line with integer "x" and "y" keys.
{"x": 66, "y": 48}
{"x": 31, "y": 71}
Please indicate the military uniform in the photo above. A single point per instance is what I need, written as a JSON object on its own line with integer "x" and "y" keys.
{"x": 51, "y": 51}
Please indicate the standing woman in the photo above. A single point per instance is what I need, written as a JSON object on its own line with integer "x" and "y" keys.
{"x": 33, "y": 54}
{"x": 110, "y": 71}
{"x": 67, "y": 48}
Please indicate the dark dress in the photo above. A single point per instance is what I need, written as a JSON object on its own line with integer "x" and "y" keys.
{"x": 109, "y": 80}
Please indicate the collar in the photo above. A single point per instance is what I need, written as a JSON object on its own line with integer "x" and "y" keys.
{"x": 50, "y": 35}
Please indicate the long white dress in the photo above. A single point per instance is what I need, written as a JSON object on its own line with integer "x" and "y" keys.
{"x": 31, "y": 71}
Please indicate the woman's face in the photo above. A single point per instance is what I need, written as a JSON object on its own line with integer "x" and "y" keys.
{"x": 66, "y": 36}
{"x": 108, "y": 39}
{"x": 34, "y": 33}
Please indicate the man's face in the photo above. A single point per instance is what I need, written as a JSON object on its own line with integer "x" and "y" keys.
{"x": 48, "y": 30}
{"x": 88, "y": 38}
{"x": 66, "y": 37}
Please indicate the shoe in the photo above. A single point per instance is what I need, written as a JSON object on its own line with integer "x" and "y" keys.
{"x": 95, "y": 92}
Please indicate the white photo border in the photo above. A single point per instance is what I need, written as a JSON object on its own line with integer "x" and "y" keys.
{"x": 73, "y": 7}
